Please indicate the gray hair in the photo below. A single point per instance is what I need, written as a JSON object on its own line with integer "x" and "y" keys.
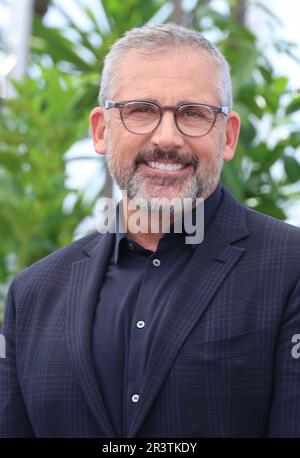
{"x": 147, "y": 40}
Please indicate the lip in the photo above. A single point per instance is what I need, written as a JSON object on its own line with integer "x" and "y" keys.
{"x": 164, "y": 172}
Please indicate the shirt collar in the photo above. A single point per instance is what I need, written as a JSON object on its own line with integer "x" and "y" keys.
{"x": 211, "y": 205}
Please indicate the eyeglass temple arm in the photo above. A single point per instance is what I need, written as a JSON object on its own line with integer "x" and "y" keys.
{"x": 223, "y": 110}
{"x": 110, "y": 104}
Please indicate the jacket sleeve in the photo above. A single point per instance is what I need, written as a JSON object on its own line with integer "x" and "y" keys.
{"x": 14, "y": 421}
{"x": 284, "y": 420}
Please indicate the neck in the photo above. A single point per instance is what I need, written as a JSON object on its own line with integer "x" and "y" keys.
{"x": 146, "y": 227}
{"x": 148, "y": 241}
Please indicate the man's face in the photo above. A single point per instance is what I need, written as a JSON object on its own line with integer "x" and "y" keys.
{"x": 136, "y": 162}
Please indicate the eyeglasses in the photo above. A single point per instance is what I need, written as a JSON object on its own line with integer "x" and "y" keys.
{"x": 143, "y": 117}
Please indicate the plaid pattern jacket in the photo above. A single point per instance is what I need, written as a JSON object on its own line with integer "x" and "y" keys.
{"x": 223, "y": 361}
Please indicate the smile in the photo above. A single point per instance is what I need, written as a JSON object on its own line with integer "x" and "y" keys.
{"x": 167, "y": 166}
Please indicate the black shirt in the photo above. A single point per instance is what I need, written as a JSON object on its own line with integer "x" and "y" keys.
{"x": 136, "y": 288}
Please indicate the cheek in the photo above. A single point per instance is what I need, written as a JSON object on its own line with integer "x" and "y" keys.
{"x": 127, "y": 145}
{"x": 201, "y": 148}
{"x": 208, "y": 148}
{"x": 123, "y": 150}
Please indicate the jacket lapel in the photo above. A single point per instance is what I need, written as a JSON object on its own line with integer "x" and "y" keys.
{"x": 85, "y": 283}
{"x": 211, "y": 263}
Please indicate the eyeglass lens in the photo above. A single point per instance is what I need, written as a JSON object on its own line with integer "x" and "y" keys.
{"x": 141, "y": 117}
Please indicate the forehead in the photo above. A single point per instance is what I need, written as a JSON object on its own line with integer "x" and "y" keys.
{"x": 168, "y": 77}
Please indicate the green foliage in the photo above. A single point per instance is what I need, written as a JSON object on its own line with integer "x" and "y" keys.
{"x": 50, "y": 113}
{"x": 259, "y": 94}
{"x": 37, "y": 128}
{"x": 262, "y": 98}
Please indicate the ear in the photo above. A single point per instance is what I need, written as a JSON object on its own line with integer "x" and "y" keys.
{"x": 232, "y": 135}
{"x": 98, "y": 127}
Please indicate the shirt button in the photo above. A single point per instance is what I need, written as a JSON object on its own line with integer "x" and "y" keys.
{"x": 156, "y": 262}
{"x": 130, "y": 246}
{"x": 135, "y": 398}
{"x": 140, "y": 324}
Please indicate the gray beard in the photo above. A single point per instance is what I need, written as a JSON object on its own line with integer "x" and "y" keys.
{"x": 201, "y": 184}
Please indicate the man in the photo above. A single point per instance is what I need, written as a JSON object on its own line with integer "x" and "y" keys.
{"x": 139, "y": 334}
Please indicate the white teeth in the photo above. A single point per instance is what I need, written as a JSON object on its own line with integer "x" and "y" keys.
{"x": 163, "y": 166}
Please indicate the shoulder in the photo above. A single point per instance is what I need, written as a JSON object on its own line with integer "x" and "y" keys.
{"x": 59, "y": 261}
{"x": 259, "y": 225}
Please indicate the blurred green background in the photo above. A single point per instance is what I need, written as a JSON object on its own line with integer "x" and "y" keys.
{"x": 40, "y": 208}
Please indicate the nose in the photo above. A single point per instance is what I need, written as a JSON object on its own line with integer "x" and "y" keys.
{"x": 167, "y": 136}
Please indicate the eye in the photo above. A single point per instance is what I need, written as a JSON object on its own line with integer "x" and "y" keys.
{"x": 195, "y": 113}
{"x": 142, "y": 108}
{"x": 192, "y": 114}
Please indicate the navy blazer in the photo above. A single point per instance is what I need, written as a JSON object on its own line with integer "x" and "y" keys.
{"x": 221, "y": 364}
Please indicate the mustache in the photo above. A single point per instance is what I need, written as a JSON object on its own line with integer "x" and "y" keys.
{"x": 172, "y": 155}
